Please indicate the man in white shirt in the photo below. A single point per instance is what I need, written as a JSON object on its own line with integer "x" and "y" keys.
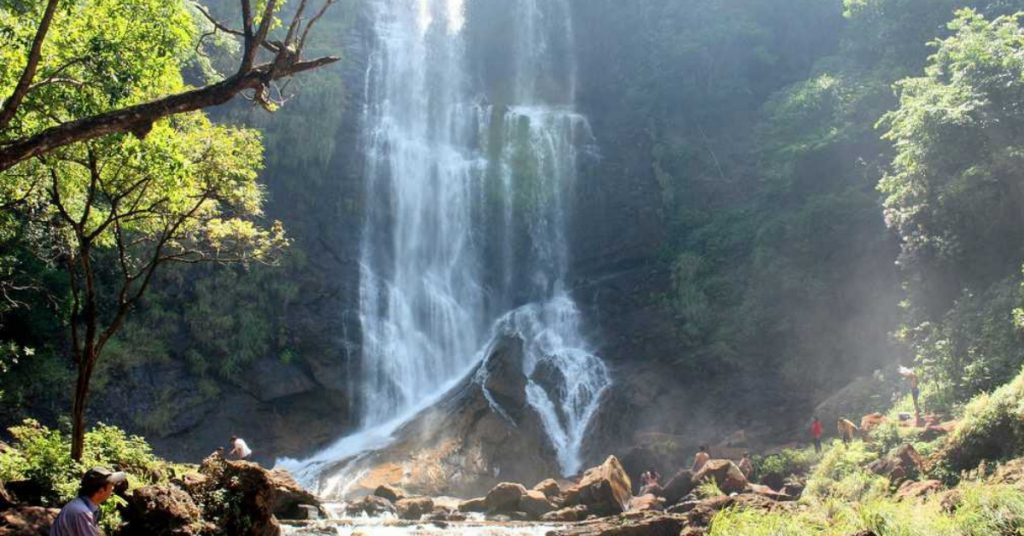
{"x": 239, "y": 450}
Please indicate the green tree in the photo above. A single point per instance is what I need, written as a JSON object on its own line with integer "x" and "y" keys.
{"x": 955, "y": 196}
{"x": 112, "y": 210}
{"x": 37, "y": 62}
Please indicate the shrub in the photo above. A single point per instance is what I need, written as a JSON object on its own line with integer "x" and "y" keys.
{"x": 992, "y": 428}
{"x": 841, "y": 474}
{"x": 774, "y": 469}
{"x": 43, "y": 455}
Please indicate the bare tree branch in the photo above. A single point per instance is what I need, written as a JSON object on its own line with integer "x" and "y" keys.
{"x": 139, "y": 119}
{"x": 12, "y": 104}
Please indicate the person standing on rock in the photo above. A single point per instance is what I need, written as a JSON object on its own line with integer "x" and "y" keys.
{"x": 746, "y": 465}
{"x": 816, "y": 434}
{"x": 81, "y": 516}
{"x": 239, "y": 450}
{"x": 702, "y": 457}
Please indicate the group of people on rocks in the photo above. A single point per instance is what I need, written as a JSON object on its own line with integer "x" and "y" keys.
{"x": 81, "y": 516}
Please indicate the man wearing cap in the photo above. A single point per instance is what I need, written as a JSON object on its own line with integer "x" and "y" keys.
{"x": 81, "y": 516}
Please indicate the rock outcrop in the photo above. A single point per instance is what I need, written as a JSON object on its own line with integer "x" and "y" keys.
{"x": 167, "y": 510}
{"x": 604, "y": 490}
{"x": 723, "y": 473}
{"x": 27, "y": 520}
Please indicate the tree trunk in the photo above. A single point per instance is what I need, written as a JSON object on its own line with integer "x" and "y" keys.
{"x": 79, "y": 403}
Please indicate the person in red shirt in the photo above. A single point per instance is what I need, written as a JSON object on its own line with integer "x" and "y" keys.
{"x": 816, "y": 434}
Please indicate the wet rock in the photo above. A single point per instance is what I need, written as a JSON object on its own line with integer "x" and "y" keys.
{"x": 565, "y": 515}
{"x": 683, "y": 507}
{"x": 678, "y": 486}
{"x": 390, "y": 493}
{"x": 371, "y": 506}
{"x": 166, "y": 510}
{"x": 549, "y": 488}
{"x": 605, "y": 490}
{"x": 504, "y": 497}
{"x": 414, "y": 508}
{"x": 289, "y": 496}
{"x": 478, "y": 504}
{"x": 911, "y": 490}
{"x": 725, "y": 474}
{"x": 535, "y": 504}
{"x": 646, "y": 503}
{"x": 27, "y": 520}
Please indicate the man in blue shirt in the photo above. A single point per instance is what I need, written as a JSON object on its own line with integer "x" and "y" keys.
{"x": 81, "y": 516}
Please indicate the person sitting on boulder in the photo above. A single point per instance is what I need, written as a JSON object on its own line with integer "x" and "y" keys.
{"x": 702, "y": 457}
{"x": 746, "y": 465}
{"x": 239, "y": 450}
{"x": 847, "y": 430}
{"x": 816, "y": 434}
{"x": 81, "y": 516}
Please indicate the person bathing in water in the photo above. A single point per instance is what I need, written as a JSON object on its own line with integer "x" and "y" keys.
{"x": 700, "y": 458}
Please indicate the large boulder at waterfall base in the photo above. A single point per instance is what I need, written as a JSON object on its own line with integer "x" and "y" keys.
{"x": 478, "y": 505}
{"x": 549, "y": 488}
{"x": 414, "y": 508}
{"x": 723, "y": 473}
{"x": 678, "y": 486}
{"x": 535, "y": 503}
{"x": 161, "y": 510}
{"x": 605, "y": 490}
{"x": 390, "y": 493}
{"x": 289, "y": 496}
{"x": 504, "y": 498}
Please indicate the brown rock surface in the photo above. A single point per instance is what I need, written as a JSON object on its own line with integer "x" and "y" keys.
{"x": 535, "y": 504}
{"x": 27, "y": 521}
{"x": 604, "y": 490}
{"x": 646, "y": 503}
{"x": 911, "y": 490}
{"x": 504, "y": 498}
{"x": 549, "y": 488}
{"x": 568, "y": 514}
{"x": 371, "y": 505}
{"x": 678, "y": 486}
{"x": 725, "y": 474}
{"x": 390, "y": 493}
{"x": 166, "y": 510}
{"x": 478, "y": 504}
{"x": 643, "y": 525}
{"x": 414, "y": 508}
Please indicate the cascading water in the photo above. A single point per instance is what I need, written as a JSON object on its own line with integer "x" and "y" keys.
{"x": 465, "y": 233}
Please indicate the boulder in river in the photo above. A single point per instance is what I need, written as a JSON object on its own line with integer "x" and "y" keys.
{"x": 723, "y": 473}
{"x": 549, "y": 488}
{"x": 504, "y": 498}
{"x": 478, "y": 504}
{"x": 414, "y": 508}
{"x": 390, "y": 493}
{"x": 371, "y": 506}
{"x": 535, "y": 503}
{"x": 566, "y": 515}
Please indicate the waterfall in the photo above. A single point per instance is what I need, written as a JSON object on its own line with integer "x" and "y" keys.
{"x": 466, "y": 220}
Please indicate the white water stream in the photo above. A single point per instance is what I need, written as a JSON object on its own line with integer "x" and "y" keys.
{"x": 466, "y": 218}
